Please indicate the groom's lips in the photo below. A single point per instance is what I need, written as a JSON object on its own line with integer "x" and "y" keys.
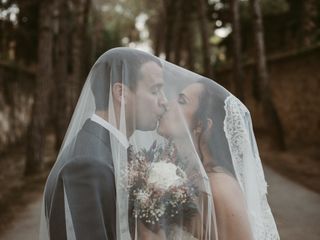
{"x": 160, "y": 117}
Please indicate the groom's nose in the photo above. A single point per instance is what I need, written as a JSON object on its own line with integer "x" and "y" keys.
{"x": 163, "y": 101}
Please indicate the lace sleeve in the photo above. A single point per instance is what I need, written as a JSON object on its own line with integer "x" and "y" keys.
{"x": 248, "y": 168}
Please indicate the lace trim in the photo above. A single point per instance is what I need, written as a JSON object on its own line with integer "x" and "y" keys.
{"x": 244, "y": 152}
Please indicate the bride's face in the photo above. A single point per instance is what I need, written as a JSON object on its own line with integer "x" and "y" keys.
{"x": 180, "y": 115}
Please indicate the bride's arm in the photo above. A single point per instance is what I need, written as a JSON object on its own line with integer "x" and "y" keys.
{"x": 230, "y": 207}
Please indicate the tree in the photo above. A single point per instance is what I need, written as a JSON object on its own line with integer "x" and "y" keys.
{"x": 308, "y": 25}
{"x": 36, "y": 130}
{"x": 171, "y": 10}
{"x": 61, "y": 84}
{"x": 79, "y": 54}
{"x": 181, "y": 23}
{"x": 190, "y": 47}
{"x": 71, "y": 57}
{"x": 156, "y": 26}
{"x": 264, "y": 90}
{"x": 203, "y": 25}
{"x": 237, "y": 56}
{"x": 184, "y": 51}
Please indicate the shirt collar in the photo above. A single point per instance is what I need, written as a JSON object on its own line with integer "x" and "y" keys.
{"x": 115, "y": 132}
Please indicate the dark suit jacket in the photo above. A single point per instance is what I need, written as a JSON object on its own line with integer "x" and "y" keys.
{"x": 85, "y": 171}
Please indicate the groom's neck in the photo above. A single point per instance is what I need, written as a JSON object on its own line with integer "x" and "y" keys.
{"x": 105, "y": 116}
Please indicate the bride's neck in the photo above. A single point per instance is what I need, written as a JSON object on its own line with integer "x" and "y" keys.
{"x": 206, "y": 155}
{"x": 201, "y": 149}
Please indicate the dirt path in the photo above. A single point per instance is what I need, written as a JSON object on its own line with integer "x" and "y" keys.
{"x": 296, "y": 209}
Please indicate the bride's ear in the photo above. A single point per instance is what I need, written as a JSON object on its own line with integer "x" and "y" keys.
{"x": 197, "y": 129}
{"x": 208, "y": 129}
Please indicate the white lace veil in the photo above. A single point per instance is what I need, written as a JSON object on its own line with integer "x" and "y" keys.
{"x": 159, "y": 187}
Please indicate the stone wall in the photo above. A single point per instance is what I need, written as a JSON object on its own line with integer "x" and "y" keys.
{"x": 16, "y": 97}
{"x": 295, "y": 84}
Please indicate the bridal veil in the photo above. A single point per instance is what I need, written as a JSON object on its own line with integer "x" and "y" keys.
{"x": 161, "y": 183}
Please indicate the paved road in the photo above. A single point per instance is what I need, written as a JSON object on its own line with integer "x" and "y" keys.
{"x": 26, "y": 226}
{"x": 296, "y": 209}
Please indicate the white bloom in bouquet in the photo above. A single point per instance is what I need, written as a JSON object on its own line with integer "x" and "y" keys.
{"x": 143, "y": 196}
{"x": 164, "y": 175}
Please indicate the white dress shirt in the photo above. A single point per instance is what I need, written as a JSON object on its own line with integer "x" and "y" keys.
{"x": 115, "y": 132}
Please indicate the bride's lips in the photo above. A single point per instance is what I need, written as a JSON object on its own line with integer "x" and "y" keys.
{"x": 160, "y": 116}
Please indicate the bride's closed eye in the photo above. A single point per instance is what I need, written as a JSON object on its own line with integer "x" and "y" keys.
{"x": 182, "y": 99}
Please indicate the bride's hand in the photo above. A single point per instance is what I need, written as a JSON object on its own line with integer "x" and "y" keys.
{"x": 146, "y": 234}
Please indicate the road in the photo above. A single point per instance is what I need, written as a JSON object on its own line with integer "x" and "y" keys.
{"x": 296, "y": 210}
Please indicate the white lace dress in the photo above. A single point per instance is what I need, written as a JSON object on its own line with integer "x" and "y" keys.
{"x": 248, "y": 169}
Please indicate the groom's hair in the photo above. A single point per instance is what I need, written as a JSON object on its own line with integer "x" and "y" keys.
{"x": 117, "y": 65}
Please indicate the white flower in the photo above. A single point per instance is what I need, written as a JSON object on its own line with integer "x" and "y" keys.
{"x": 163, "y": 175}
{"x": 142, "y": 196}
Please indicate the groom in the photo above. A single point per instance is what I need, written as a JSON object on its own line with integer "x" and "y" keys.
{"x": 80, "y": 192}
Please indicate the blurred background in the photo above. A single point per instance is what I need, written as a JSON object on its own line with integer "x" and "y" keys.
{"x": 266, "y": 52}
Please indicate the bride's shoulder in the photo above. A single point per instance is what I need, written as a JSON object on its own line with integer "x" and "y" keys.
{"x": 224, "y": 186}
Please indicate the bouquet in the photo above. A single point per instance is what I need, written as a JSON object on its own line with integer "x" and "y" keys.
{"x": 159, "y": 189}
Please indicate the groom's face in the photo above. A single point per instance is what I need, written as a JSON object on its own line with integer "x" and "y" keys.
{"x": 150, "y": 101}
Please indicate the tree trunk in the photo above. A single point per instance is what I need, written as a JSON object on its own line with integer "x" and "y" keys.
{"x": 61, "y": 73}
{"x": 185, "y": 12}
{"x": 170, "y": 12}
{"x": 237, "y": 56}
{"x": 36, "y": 130}
{"x": 203, "y": 25}
{"x": 157, "y": 30}
{"x": 86, "y": 44}
{"x": 190, "y": 47}
{"x": 308, "y": 25}
{"x": 81, "y": 13}
{"x": 271, "y": 115}
{"x": 3, "y": 37}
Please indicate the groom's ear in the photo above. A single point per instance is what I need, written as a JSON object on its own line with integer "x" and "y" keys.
{"x": 209, "y": 123}
{"x": 117, "y": 91}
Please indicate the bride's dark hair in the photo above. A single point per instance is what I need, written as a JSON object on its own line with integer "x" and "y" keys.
{"x": 211, "y": 106}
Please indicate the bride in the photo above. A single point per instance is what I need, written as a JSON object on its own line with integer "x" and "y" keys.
{"x": 196, "y": 105}
{"x": 208, "y": 124}
{"x": 220, "y": 129}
